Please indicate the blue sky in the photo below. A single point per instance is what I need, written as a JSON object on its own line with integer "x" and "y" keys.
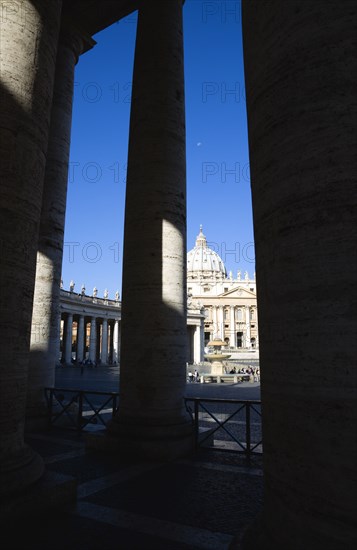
{"x": 218, "y": 183}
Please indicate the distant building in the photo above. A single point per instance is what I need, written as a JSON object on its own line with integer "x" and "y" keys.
{"x": 229, "y": 304}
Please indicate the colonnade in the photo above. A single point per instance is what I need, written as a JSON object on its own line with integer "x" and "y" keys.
{"x": 35, "y": 139}
{"x": 195, "y": 335}
{"x": 298, "y": 58}
{"x": 93, "y": 339}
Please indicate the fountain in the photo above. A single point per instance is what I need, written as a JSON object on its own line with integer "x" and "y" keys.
{"x": 217, "y": 357}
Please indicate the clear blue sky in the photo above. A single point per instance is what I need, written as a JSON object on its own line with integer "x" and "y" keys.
{"x": 218, "y": 183}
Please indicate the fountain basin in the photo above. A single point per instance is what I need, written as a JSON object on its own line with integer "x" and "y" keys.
{"x": 217, "y": 357}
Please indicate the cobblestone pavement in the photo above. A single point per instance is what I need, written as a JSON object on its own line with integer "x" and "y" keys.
{"x": 203, "y": 502}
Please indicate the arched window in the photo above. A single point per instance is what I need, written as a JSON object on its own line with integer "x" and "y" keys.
{"x": 239, "y": 314}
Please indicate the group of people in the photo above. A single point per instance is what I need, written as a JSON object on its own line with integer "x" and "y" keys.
{"x": 254, "y": 372}
{"x": 193, "y": 376}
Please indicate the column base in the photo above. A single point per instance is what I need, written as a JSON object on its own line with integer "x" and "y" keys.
{"x": 52, "y": 491}
{"x": 253, "y": 538}
{"x": 152, "y": 443}
{"x": 37, "y": 417}
{"x": 310, "y": 537}
{"x": 19, "y": 470}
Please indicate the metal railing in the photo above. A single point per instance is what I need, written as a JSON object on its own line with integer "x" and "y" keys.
{"x": 227, "y": 424}
{"x": 221, "y": 424}
{"x": 79, "y": 409}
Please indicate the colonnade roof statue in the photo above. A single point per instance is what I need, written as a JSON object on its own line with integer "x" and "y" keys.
{"x": 202, "y": 260}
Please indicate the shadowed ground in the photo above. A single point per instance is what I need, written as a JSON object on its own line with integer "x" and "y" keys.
{"x": 203, "y": 502}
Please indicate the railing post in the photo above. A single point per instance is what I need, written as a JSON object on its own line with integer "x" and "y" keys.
{"x": 247, "y": 428}
{"x": 50, "y": 405}
{"x": 196, "y": 403}
{"x": 80, "y": 411}
{"x": 114, "y": 405}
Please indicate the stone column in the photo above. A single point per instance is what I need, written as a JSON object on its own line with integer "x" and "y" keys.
{"x": 93, "y": 340}
{"x": 197, "y": 345}
{"x": 232, "y": 331}
{"x": 111, "y": 341}
{"x": 152, "y": 418}
{"x": 80, "y": 339}
{"x": 116, "y": 342}
{"x": 57, "y": 352}
{"x": 50, "y": 246}
{"x": 99, "y": 341}
{"x": 68, "y": 342}
{"x": 247, "y": 327}
{"x": 64, "y": 322}
{"x": 202, "y": 338}
{"x": 29, "y": 37}
{"x": 221, "y": 322}
{"x": 300, "y": 67}
{"x": 104, "y": 354}
{"x": 215, "y": 323}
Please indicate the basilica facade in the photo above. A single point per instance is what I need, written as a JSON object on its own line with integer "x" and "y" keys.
{"x": 229, "y": 304}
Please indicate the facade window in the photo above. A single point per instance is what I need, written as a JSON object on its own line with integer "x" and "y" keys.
{"x": 251, "y": 314}
{"x": 239, "y": 315}
{"x": 239, "y": 339}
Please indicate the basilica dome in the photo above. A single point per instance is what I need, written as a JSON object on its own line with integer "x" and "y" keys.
{"x": 203, "y": 261}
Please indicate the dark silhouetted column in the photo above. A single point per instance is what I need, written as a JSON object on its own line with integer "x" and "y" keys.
{"x": 29, "y": 37}
{"x": 45, "y": 327}
{"x": 152, "y": 420}
{"x": 299, "y": 60}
